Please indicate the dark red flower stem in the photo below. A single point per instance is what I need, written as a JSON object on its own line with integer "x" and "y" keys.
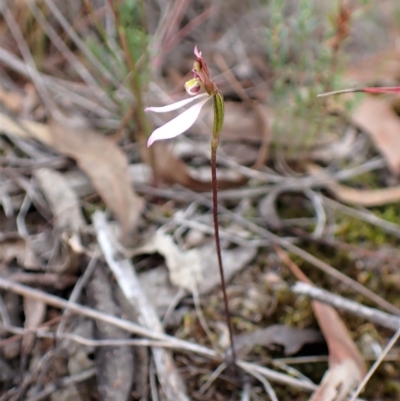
{"x": 214, "y": 184}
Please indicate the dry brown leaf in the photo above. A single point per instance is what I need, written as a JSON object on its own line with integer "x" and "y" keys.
{"x": 366, "y": 198}
{"x": 234, "y": 260}
{"x": 292, "y": 339}
{"x": 63, "y": 201}
{"x": 124, "y": 272}
{"x": 195, "y": 269}
{"x": 383, "y": 67}
{"x": 106, "y": 166}
{"x": 246, "y": 131}
{"x": 170, "y": 169}
{"x": 242, "y": 121}
{"x": 98, "y": 157}
{"x": 376, "y": 116}
{"x": 157, "y": 287}
{"x": 184, "y": 266}
{"x": 346, "y": 365}
{"x": 15, "y": 247}
{"x": 139, "y": 173}
{"x": 338, "y": 382}
{"x": 264, "y": 128}
{"x": 68, "y": 218}
{"x": 11, "y": 100}
{"x": 25, "y": 129}
{"x": 115, "y": 365}
{"x": 35, "y": 312}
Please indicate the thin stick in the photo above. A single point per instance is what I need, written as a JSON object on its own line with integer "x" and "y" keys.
{"x": 338, "y": 92}
{"x": 27, "y": 56}
{"x": 382, "y": 356}
{"x": 43, "y": 332}
{"x": 69, "y": 56}
{"x": 64, "y": 382}
{"x": 202, "y": 319}
{"x": 168, "y": 376}
{"x": 284, "y": 243}
{"x": 129, "y": 326}
{"x": 132, "y": 327}
{"x": 188, "y": 195}
{"x": 96, "y": 63}
{"x": 384, "y": 319}
{"x": 214, "y": 375}
{"x": 267, "y": 386}
{"x": 78, "y": 288}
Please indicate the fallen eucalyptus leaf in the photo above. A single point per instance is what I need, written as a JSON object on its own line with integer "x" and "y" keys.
{"x": 292, "y": 339}
{"x": 106, "y": 166}
{"x": 101, "y": 159}
{"x": 346, "y": 365}
{"x": 63, "y": 201}
{"x": 352, "y": 196}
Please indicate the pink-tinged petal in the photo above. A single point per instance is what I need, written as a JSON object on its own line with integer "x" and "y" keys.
{"x": 174, "y": 106}
{"x": 178, "y": 125}
{"x": 196, "y": 52}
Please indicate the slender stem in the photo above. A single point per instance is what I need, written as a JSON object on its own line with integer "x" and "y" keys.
{"x": 102, "y": 32}
{"x": 214, "y": 145}
{"x": 136, "y": 85}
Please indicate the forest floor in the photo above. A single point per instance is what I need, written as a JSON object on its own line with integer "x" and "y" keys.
{"x": 109, "y": 282}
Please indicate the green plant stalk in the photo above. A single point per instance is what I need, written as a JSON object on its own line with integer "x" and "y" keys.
{"x": 218, "y": 105}
{"x": 134, "y": 81}
{"x": 101, "y": 31}
{"x": 143, "y": 127}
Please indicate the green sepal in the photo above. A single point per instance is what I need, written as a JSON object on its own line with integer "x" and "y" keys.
{"x": 219, "y": 112}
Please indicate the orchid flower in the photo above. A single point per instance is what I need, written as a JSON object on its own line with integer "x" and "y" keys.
{"x": 201, "y": 82}
{"x": 181, "y": 123}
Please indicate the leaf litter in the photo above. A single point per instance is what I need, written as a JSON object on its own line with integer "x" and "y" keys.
{"x": 54, "y": 252}
{"x": 346, "y": 365}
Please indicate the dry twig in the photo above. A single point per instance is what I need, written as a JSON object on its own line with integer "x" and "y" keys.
{"x": 134, "y": 328}
{"x": 127, "y": 280}
{"x": 373, "y": 315}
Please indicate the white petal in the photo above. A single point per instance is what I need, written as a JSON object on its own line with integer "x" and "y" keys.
{"x": 174, "y": 106}
{"x": 178, "y": 125}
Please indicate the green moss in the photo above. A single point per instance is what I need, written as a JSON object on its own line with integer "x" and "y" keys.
{"x": 355, "y": 231}
{"x": 369, "y": 180}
